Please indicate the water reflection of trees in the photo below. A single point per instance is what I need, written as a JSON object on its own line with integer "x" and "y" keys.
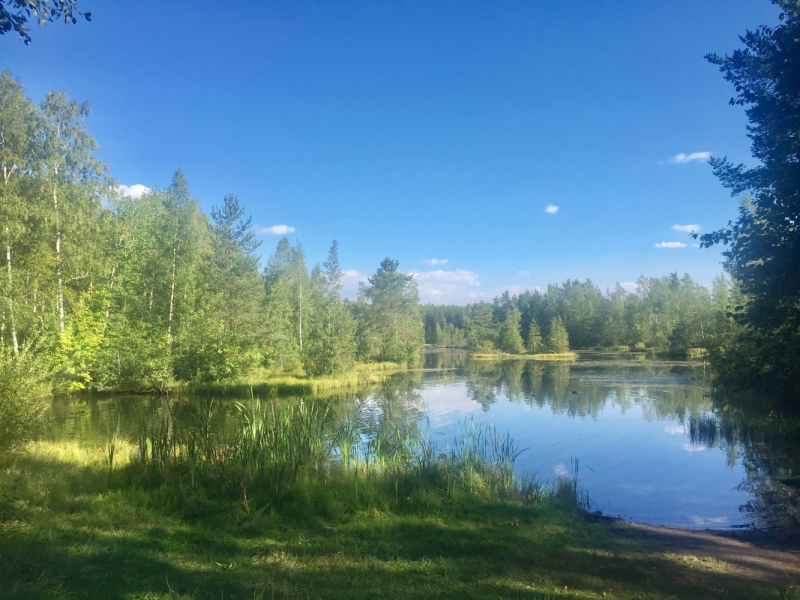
{"x": 662, "y": 392}
{"x": 395, "y": 405}
{"x": 766, "y": 438}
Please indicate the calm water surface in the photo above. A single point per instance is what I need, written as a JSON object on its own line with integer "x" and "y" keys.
{"x": 631, "y": 424}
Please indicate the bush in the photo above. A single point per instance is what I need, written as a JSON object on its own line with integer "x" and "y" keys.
{"x": 22, "y": 380}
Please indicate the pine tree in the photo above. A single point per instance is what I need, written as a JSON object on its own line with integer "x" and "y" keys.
{"x": 238, "y": 286}
{"x": 392, "y": 328}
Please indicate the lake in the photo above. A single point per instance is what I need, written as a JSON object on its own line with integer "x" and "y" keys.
{"x": 643, "y": 433}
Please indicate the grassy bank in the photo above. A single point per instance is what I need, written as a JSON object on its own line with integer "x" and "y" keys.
{"x": 270, "y": 384}
{"x": 70, "y": 528}
{"x": 503, "y": 356}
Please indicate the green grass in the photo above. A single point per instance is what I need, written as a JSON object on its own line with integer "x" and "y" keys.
{"x": 504, "y": 356}
{"x": 68, "y": 531}
{"x": 272, "y": 384}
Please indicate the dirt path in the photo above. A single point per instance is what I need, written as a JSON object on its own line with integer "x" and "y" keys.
{"x": 770, "y": 555}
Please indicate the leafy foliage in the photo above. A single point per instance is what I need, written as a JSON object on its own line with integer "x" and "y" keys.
{"x": 391, "y": 329}
{"x": 763, "y": 253}
{"x": 42, "y": 10}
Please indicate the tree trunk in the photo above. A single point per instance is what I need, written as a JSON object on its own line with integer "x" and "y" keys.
{"x": 300, "y": 289}
{"x": 108, "y": 304}
{"x": 172, "y": 294}
{"x": 10, "y": 300}
{"x": 60, "y": 298}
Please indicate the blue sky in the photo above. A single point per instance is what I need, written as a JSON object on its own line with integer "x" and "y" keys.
{"x": 424, "y": 131}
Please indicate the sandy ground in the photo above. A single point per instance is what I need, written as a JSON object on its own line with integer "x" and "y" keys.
{"x": 769, "y": 555}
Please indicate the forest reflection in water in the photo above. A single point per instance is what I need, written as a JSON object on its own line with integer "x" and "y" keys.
{"x": 654, "y": 443}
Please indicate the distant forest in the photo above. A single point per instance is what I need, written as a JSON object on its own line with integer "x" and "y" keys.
{"x": 668, "y": 314}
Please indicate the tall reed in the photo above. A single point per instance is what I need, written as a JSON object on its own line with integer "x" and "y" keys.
{"x": 277, "y": 455}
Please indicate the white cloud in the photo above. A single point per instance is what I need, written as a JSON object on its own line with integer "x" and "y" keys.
{"x": 135, "y": 191}
{"x": 685, "y": 158}
{"x": 350, "y": 280}
{"x": 551, "y": 209}
{"x": 445, "y": 286}
{"x": 434, "y": 261}
{"x": 675, "y": 430}
{"x": 523, "y": 273}
{"x": 275, "y": 230}
{"x": 629, "y": 286}
{"x": 671, "y": 245}
{"x": 687, "y": 228}
{"x": 560, "y": 470}
{"x": 457, "y": 276}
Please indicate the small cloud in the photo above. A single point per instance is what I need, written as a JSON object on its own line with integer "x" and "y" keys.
{"x": 434, "y": 261}
{"x": 445, "y": 286}
{"x": 275, "y": 230}
{"x": 629, "y": 286}
{"x": 695, "y": 245}
{"x": 685, "y": 158}
{"x": 687, "y": 228}
{"x": 523, "y": 273}
{"x": 551, "y": 209}
{"x": 675, "y": 430}
{"x": 671, "y": 245}
{"x": 560, "y": 470}
{"x": 352, "y": 273}
{"x": 134, "y": 191}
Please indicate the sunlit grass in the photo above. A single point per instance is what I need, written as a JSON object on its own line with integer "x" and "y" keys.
{"x": 267, "y": 383}
{"x": 68, "y": 531}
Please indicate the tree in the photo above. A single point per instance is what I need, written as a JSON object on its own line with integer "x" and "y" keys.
{"x": 16, "y": 115}
{"x": 534, "y": 338}
{"x": 557, "y": 337}
{"x": 73, "y": 178}
{"x": 289, "y": 304}
{"x": 763, "y": 253}
{"x": 331, "y": 344}
{"x": 42, "y": 10}
{"x": 510, "y": 340}
{"x": 392, "y": 328}
{"x": 237, "y": 285}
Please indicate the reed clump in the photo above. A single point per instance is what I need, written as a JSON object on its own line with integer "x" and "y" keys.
{"x": 298, "y": 458}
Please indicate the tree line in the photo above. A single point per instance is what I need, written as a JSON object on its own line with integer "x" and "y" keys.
{"x": 669, "y": 314}
{"x": 123, "y": 293}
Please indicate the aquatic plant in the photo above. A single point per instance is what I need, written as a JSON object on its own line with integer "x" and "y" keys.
{"x": 278, "y": 455}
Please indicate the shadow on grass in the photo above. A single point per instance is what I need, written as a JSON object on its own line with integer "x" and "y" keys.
{"x": 65, "y": 534}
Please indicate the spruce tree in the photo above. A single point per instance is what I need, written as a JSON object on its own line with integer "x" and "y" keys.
{"x": 557, "y": 337}
{"x": 534, "y": 342}
{"x": 510, "y": 340}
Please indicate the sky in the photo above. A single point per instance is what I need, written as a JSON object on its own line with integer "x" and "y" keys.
{"x": 487, "y": 146}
